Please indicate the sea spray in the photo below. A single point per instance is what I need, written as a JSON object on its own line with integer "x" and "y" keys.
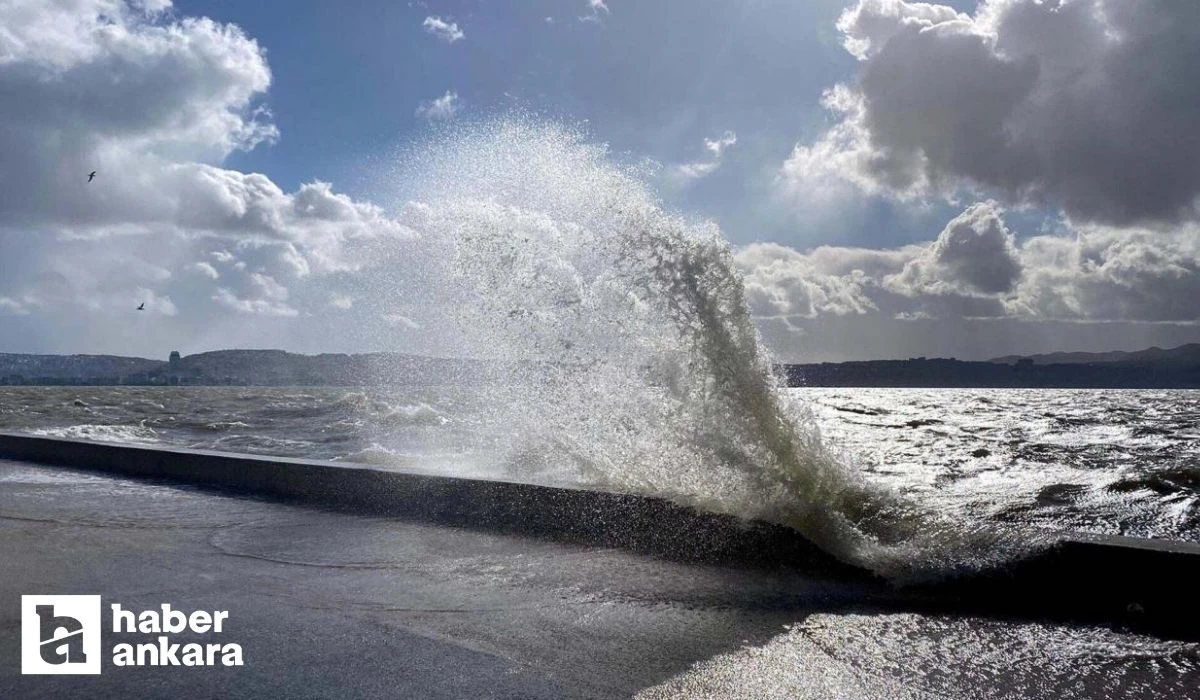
{"x": 630, "y": 357}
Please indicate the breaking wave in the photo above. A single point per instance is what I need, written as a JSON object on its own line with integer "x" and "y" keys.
{"x": 631, "y": 359}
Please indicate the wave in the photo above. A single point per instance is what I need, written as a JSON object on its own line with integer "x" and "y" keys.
{"x": 642, "y": 369}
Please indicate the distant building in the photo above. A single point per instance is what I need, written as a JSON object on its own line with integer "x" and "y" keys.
{"x": 174, "y": 370}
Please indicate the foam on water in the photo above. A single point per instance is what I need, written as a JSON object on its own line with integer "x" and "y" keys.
{"x": 634, "y": 363}
{"x": 128, "y": 434}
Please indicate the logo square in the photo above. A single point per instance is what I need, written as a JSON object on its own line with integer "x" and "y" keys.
{"x": 60, "y": 635}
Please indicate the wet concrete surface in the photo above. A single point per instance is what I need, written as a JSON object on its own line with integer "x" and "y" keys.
{"x": 334, "y": 605}
{"x": 330, "y": 604}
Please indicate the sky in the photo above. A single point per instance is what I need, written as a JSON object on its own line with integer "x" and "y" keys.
{"x": 895, "y": 179}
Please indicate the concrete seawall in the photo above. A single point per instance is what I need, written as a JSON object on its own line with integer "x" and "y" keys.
{"x": 638, "y": 523}
{"x": 1146, "y": 585}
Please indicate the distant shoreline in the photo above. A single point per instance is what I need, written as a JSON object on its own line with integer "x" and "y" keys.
{"x": 942, "y": 373}
{"x": 1154, "y": 368}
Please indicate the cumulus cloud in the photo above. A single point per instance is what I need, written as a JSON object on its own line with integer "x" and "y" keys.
{"x": 784, "y": 283}
{"x": 444, "y": 107}
{"x": 975, "y": 253}
{"x": 1112, "y": 274}
{"x": 154, "y": 103}
{"x": 1085, "y": 105}
{"x": 975, "y": 269}
{"x": 447, "y": 31}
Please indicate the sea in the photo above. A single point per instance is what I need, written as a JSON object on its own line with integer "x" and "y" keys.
{"x": 1099, "y": 461}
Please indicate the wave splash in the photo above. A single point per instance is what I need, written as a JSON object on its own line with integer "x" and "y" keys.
{"x": 631, "y": 359}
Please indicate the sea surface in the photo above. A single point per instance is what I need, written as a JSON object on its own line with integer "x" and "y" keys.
{"x": 1104, "y": 461}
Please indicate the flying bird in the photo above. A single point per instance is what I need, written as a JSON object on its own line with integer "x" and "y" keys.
{"x": 142, "y": 306}
{"x": 91, "y": 176}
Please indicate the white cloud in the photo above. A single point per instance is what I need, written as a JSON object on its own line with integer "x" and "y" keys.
{"x": 597, "y": 9}
{"x": 447, "y": 31}
{"x": 154, "y": 103}
{"x": 341, "y": 302}
{"x": 697, "y": 169}
{"x": 1112, "y": 274}
{"x": 1042, "y": 103}
{"x": 444, "y": 107}
{"x": 841, "y": 164}
{"x": 260, "y": 307}
{"x": 205, "y": 269}
{"x": 716, "y": 148}
{"x": 975, "y": 269}
{"x": 974, "y": 254}
{"x": 785, "y": 283}
{"x": 401, "y": 321}
{"x": 16, "y": 307}
{"x": 268, "y": 287}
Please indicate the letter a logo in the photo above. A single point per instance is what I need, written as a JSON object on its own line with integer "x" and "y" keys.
{"x": 60, "y": 634}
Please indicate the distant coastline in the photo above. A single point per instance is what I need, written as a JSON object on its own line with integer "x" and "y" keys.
{"x": 232, "y": 368}
{"x": 1154, "y": 368}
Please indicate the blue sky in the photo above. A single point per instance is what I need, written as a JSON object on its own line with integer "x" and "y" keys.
{"x": 894, "y": 178}
{"x": 650, "y": 79}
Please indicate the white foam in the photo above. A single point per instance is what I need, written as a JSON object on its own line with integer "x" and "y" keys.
{"x": 130, "y": 434}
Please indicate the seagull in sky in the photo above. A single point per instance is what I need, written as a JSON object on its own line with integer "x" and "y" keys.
{"x": 91, "y": 176}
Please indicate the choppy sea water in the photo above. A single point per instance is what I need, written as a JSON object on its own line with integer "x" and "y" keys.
{"x": 1108, "y": 461}
{"x": 1118, "y": 462}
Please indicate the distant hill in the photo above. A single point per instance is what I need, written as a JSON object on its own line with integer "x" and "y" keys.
{"x": 1151, "y": 368}
{"x": 936, "y": 372}
{"x": 1154, "y": 368}
{"x": 63, "y": 368}
{"x": 277, "y": 368}
{"x": 1184, "y": 354}
{"x": 234, "y": 367}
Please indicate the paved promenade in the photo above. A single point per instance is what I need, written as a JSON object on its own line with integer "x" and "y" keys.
{"x": 335, "y": 605}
